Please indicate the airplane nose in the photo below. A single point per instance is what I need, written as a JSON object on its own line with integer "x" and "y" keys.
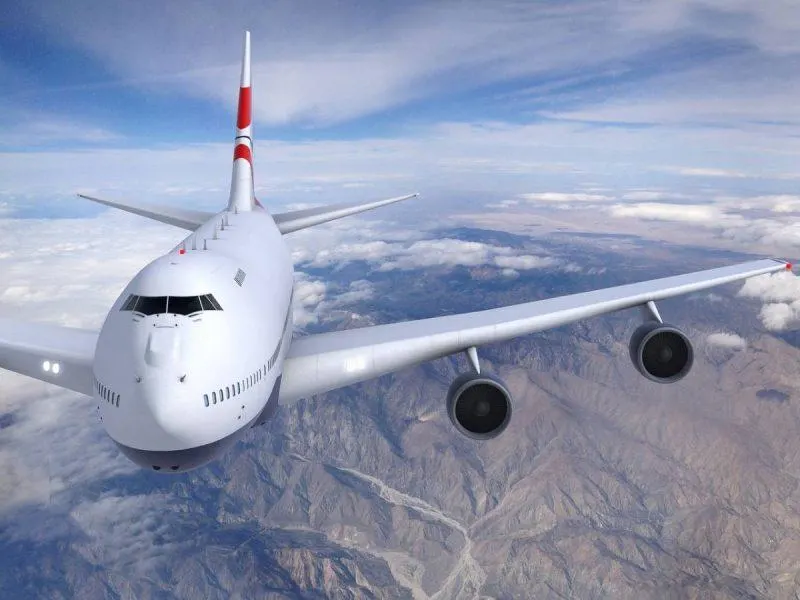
{"x": 167, "y": 406}
{"x": 163, "y": 347}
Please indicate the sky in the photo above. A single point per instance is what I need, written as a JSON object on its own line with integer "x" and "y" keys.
{"x": 693, "y": 96}
{"x": 640, "y": 114}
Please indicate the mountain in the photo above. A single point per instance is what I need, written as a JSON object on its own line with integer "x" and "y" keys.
{"x": 605, "y": 485}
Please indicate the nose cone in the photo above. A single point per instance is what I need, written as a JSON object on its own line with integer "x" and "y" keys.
{"x": 163, "y": 347}
{"x": 166, "y": 401}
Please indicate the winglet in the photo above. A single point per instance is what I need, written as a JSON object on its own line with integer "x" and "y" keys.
{"x": 242, "y": 196}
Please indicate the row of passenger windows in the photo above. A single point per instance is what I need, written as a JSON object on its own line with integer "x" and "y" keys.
{"x": 224, "y": 394}
{"x": 106, "y": 394}
{"x": 178, "y": 305}
{"x": 237, "y": 388}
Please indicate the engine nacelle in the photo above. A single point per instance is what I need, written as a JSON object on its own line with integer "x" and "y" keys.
{"x": 661, "y": 352}
{"x": 479, "y": 405}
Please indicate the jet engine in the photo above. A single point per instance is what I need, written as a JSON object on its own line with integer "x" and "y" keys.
{"x": 479, "y": 405}
{"x": 661, "y": 352}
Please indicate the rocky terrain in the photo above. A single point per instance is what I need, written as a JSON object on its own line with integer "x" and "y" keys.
{"x": 604, "y": 485}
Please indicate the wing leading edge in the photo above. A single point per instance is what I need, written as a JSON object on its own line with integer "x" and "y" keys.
{"x": 171, "y": 215}
{"x": 300, "y": 219}
{"x": 59, "y": 355}
{"x": 323, "y": 362}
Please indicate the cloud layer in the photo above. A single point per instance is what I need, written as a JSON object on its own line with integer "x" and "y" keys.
{"x": 781, "y": 293}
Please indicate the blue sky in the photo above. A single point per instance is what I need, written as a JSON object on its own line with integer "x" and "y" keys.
{"x": 690, "y": 97}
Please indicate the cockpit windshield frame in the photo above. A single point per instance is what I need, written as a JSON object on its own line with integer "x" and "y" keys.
{"x": 176, "y": 305}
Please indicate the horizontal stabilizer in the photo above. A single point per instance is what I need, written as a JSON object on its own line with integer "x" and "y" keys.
{"x": 171, "y": 215}
{"x": 300, "y": 219}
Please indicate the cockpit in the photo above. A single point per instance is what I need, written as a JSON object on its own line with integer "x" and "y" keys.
{"x": 176, "y": 305}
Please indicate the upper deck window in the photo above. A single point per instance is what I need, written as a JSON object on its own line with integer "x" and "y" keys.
{"x": 178, "y": 305}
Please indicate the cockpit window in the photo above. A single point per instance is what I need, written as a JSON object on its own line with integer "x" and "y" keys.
{"x": 210, "y": 303}
{"x": 178, "y": 305}
{"x": 130, "y": 303}
{"x": 184, "y": 305}
{"x": 152, "y": 305}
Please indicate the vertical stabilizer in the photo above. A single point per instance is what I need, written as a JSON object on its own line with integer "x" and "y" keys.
{"x": 242, "y": 196}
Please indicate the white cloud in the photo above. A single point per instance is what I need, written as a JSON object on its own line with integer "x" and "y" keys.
{"x": 564, "y": 197}
{"x": 650, "y": 195}
{"x": 129, "y": 533}
{"x": 727, "y": 340}
{"x": 656, "y": 211}
{"x": 706, "y": 172}
{"x": 780, "y": 316}
{"x": 353, "y": 64}
{"x": 783, "y": 286}
{"x": 327, "y": 63}
{"x": 370, "y": 251}
{"x": 308, "y": 293}
{"x": 30, "y": 130}
{"x": 525, "y": 261}
{"x": 781, "y": 293}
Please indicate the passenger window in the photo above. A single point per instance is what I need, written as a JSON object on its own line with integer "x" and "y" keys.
{"x": 205, "y": 399}
{"x": 214, "y": 397}
{"x": 238, "y": 388}
{"x": 184, "y": 305}
{"x": 117, "y": 402}
{"x": 227, "y": 393}
{"x": 152, "y": 305}
{"x": 130, "y": 303}
{"x": 221, "y": 396}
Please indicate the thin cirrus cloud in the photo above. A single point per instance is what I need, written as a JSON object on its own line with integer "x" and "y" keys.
{"x": 667, "y": 62}
{"x": 328, "y": 63}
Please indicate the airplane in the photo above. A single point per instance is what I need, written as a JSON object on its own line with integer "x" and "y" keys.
{"x": 199, "y": 347}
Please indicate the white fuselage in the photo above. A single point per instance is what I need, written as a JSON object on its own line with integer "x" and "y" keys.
{"x": 177, "y": 386}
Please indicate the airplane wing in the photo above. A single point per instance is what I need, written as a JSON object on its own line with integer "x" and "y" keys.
{"x": 59, "y": 355}
{"x": 180, "y": 217}
{"x": 300, "y": 219}
{"x": 323, "y": 362}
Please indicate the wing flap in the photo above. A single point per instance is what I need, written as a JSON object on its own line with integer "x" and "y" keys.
{"x": 300, "y": 219}
{"x": 323, "y": 362}
{"x": 179, "y": 217}
{"x": 26, "y": 347}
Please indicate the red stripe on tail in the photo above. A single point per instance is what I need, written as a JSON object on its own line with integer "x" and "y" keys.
{"x": 242, "y": 151}
{"x": 244, "y": 117}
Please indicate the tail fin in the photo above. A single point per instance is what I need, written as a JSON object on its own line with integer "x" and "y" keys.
{"x": 242, "y": 196}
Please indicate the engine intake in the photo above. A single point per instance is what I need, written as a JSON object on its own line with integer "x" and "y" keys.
{"x": 479, "y": 405}
{"x": 661, "y": 352}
